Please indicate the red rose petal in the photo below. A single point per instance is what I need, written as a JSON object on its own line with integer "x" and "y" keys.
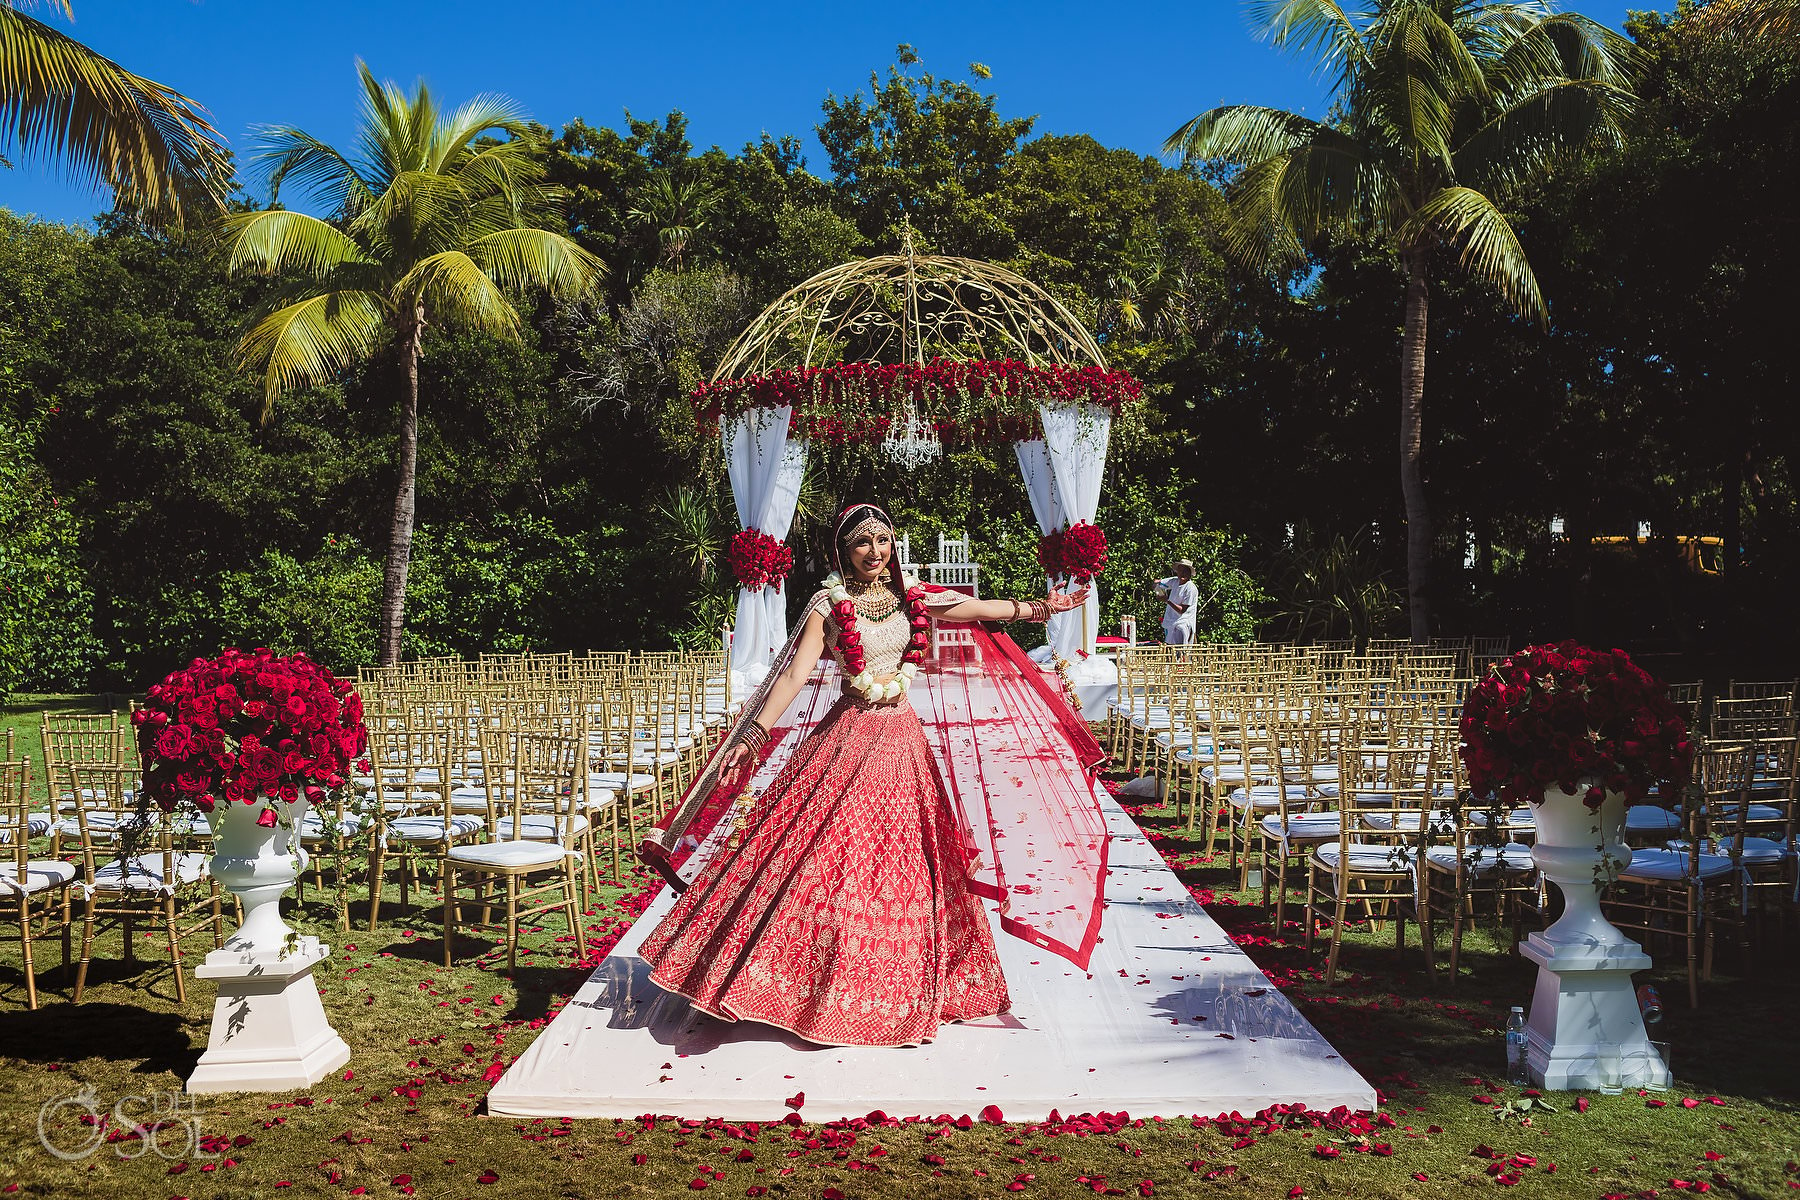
{"x": 992, "y": 1114}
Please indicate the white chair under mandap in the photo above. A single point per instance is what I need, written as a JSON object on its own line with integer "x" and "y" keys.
{"x": 954, "y": 569}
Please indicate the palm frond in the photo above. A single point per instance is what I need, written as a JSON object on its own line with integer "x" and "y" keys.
{"x": 325, "y": 176}
{"x": 487, "y": 113}
{"x": 1487, "y": 247}
{"x": 1283, "y": 202}
{"x": 277, "y": 240}
{"x": 455, "y": 290}
{"x": 1418, "y": 73}
{"x": 61, "y": 100}
{"x": 1541, "y": 130}
{"x": 311, "y": 340}
{"x": 1318, "y": 27}
{"x": 537, "y": 258}
{"x": 1242, "y": 134}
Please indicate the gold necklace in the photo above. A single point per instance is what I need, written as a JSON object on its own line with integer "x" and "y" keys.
{"x": 875, "y": 606}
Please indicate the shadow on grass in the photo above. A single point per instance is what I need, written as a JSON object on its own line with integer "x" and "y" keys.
{"x": 59, "y": 1032}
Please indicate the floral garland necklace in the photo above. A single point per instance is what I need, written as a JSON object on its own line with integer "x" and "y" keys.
{"x": 862, "y": 680}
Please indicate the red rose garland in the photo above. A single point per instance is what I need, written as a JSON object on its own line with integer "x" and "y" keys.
{"x": 850, "y": 645}
{"x": 245, "y": 725}
{"x": 1557, "y": 714}
{"x": 758, "y": 559}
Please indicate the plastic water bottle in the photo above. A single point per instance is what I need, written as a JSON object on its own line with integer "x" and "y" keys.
{"x": 1517, "y": 1073}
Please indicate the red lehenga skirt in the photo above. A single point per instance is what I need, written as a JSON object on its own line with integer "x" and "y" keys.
{"x": 845, "y": 917}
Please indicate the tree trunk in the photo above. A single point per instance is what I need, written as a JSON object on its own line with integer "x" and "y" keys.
{"x": 1412, "y": 483}
{"x": 399, "y": 557}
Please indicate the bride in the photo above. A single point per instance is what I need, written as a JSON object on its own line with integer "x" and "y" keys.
{"x": 845, "y": 916}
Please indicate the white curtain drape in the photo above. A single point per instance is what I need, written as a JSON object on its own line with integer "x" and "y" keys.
{"x": 1075, "y": 442}
{"x": 765, "y": 467}
{"x": 1046, "y": 507}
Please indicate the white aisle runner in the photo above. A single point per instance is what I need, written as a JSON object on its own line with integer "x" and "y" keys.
{"x": 1170, "y": 1019}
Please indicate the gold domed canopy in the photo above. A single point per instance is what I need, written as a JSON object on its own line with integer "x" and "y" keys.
{"x": 909, "y": 308}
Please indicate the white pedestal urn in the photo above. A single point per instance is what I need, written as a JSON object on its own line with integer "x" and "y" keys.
{"x": 269, "y": 1032}
{"x": 1584, "y": 998}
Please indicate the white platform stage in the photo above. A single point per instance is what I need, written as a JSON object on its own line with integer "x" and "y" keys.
{"x": 1171, "y": 1019}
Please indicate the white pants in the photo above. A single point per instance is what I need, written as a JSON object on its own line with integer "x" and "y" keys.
{"x": 1180, "y": 635}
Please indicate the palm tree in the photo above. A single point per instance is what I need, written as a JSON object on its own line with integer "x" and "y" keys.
{"x": 60, "y": 100}
{"x": 677, "y": 211}
{"x": 1442, "y": 107}
{"x": 434, "y": 223}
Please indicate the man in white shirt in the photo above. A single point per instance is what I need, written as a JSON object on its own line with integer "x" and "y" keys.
{"x": 1180, "y": 599}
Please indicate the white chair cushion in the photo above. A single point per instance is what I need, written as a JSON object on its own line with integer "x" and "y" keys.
{"x": 1268, "y": 795}
{"x": 1649, "y": 818}
{"x": 1519, "y": 818}
{"x": 1758, "y": 812}
{"x": 1757, "y": 852}
{"x": 433, "y": 829}
{"x": 1302, "y": 827}
{"x": 146, "y": 873}
{"x": 614, "y": 780}
{"x": 1443, "y": 822}
{"x": 540, "y": 827}
{"x": 1367, "y": 859}
{"x": 1667, "y": 866}
{"x": 40, "y": 875}
{"x": 1513, "y": 858}
{"x": 645, "y": 759}
{"x": 509, "y": 854}
{"x": 103, "y": 824}
{"x": 312, "y": 826}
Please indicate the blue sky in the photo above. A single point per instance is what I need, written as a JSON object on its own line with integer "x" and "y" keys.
{"x": 1126, "y": 73}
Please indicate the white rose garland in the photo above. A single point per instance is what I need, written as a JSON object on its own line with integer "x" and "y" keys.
{"x": 862, "y": 680}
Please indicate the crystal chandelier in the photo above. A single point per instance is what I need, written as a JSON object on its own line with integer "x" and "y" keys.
{"x": 911, "y": 442}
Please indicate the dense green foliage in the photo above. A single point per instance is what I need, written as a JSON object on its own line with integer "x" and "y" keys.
{"x": 565, "y": 500}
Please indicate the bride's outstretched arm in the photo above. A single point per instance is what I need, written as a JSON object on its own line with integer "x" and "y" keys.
{"x": 1013, "y": 610}
{"x": 806, "y": 656}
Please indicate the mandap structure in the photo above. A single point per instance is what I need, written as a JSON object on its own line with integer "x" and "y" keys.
{"x": 906, "y": 352}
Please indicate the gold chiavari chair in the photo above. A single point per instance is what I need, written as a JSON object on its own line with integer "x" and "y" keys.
{"x": 33, "y": 891}
{"x": 1684, "y": 891}
{"x": 136, "y": 873}
{"x": 537, "y": 872}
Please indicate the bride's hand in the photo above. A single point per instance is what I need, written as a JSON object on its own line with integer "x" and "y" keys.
{"x": 734, "y": 757}
{"x": 1064, "y": 601}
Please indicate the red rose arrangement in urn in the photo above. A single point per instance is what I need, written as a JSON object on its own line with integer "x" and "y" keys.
{"x": 248, "y": 724}
{"x": 1083, "y": 551}
{"x": 1560, "y": 714}
{"x": 759, "y": 559}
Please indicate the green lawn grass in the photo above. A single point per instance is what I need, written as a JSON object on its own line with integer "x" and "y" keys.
{"x": 21, "y": 726}
{"x": 407, "y": 1112}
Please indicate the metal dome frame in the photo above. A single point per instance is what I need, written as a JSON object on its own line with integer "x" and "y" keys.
{"x": 907, "y": 308}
